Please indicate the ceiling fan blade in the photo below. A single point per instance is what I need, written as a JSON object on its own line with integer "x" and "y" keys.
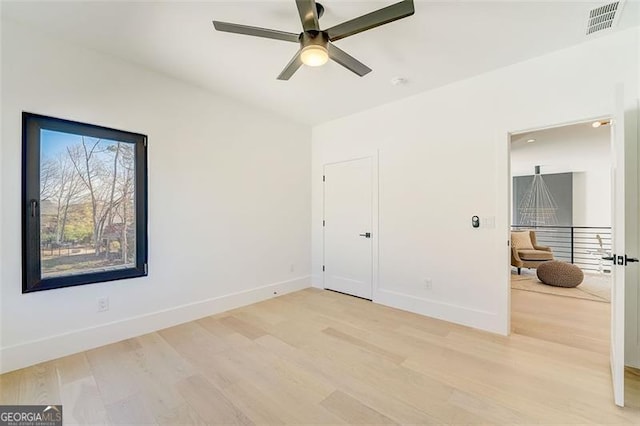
{"x": 347, "y": 61}
{"x": 308, "y": 14}
{"x": 291, "y": 67}
{"x": 255, "y": 31}
{"x": 371, "y": 20}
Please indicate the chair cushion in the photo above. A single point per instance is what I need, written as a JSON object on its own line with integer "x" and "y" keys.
{"x": 535, "y": 255}
{"x": 521, "y": 240}
{"x": 560, "y": 274}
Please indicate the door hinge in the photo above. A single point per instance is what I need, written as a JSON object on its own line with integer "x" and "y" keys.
{"x": 145, "y": 141}
{"x": 146, "y": 268}
{"x": 323, "y": 178}
{"x": 322, "y": 268}
{"x": 323, "y": 223}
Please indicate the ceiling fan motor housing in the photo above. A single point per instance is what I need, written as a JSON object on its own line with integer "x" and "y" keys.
{"x": 314, "y": 38}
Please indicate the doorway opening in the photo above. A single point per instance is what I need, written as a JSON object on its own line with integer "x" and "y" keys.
{"x": 561, "y": 231}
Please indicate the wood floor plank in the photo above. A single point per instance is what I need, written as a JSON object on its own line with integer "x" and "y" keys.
{"x": 156, "y": 368}
{"x": 39, "y": 385}
{"x": 82, "y": 403}
{"x": 114, "y": 383}
{"x": 183, "y": 414}
{"x": 10, "y": 387}
{"x": 555, "y": 319}
{"x": 393, "y": 357}
{"x": 335, "y": 374}
{"x": 79, "y": 393}
{"x": 260, "y": 407}
{"x": 271, "y": 375}
{"x": 246, "y": 329}
{"x": 210, "y": 404}
{"x": 320, "y": 357}
{"x": 130, "y": 411}
{"x": 353, "y": 411}
{"x": 203, "y": 350}
{"x": 156, "y": 359}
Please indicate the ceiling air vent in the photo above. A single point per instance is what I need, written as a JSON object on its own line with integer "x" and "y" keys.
{"x": 603, "y": 17}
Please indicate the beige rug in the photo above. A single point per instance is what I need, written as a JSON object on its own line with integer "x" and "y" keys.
{"x": 594, "y": 287}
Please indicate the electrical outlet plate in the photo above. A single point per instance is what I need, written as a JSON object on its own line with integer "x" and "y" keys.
{"x": 103, "y": 304}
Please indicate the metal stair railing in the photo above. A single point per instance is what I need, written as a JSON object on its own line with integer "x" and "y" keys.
{"x": 583, "y": 246}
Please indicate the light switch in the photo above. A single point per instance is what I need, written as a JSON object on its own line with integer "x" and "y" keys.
{"x": 489, "y": 222}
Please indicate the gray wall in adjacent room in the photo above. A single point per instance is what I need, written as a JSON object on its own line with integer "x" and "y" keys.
{"x": 561, "y": 188}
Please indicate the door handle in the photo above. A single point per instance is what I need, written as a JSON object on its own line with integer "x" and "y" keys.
{"x": 34, "y": 208}
{"x": 612, "y": 257}
{"x": 366, "y": 235}
{"x": 629, "y": 259}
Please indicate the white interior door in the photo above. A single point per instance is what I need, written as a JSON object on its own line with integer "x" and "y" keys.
{"x": 618, "y": 250}
{"x": 348, "y": 213}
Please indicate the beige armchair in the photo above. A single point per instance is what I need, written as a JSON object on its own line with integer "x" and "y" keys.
{"x": 525, "y": 251}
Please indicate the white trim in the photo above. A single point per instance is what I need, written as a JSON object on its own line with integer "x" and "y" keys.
{"x": 507, "y": 236}
{"x": 471, "y": 317}
{"x": 36, "y": 351}
{"x": 558, "y": 125}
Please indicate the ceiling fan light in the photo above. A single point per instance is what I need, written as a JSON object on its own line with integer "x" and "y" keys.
{"x": 314, "y": 55}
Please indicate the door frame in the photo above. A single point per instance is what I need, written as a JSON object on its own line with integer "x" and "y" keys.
{"x": 509, "y": 135}
{"x": 375, "y": 215}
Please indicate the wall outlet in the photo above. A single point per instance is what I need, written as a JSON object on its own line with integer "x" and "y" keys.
{"x": 103, "y": 304}
{"x": 428, "y": 283}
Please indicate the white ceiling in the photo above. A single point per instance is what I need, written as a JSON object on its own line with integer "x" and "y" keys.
{"x": 571, "y": 148}
{"x": 443, "y": 42}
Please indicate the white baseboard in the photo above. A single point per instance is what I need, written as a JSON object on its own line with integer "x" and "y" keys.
{"x": 37, "y": 351}
{"x": 475, "y": 318}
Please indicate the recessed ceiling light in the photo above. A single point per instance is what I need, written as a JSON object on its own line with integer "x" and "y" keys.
{"x": 530, "y": 140}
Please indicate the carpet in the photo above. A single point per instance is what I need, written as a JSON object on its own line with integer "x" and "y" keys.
{"x": 594, "y": 287}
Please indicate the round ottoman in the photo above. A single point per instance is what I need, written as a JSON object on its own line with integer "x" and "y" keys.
{"x": 559, "y": 274}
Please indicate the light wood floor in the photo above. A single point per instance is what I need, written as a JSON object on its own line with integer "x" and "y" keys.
{"x": 321, "y": 357}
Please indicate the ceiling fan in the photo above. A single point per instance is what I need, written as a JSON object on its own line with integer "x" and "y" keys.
{"x": 316, "y": 45}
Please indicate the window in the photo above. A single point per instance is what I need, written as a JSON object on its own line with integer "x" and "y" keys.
{"x": 84, "y": 203}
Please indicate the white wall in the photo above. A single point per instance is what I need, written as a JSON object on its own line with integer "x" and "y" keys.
{"x": 229, "y": 199}
{"x": 444, "y": 158}
{"x": 592, "y": 198}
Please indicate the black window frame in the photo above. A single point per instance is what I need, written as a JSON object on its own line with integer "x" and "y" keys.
{"x": 32, "y": 279}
